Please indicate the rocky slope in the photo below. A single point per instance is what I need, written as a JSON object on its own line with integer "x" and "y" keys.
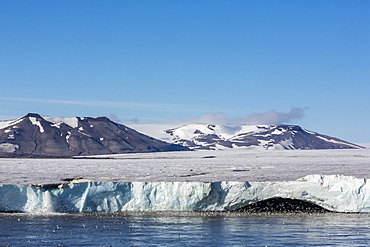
{"x": 34, "y": 135}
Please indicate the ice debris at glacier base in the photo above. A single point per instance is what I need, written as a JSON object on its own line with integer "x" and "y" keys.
{"x": 333, "y": 192}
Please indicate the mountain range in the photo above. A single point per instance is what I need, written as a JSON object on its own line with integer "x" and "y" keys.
{"x": 40, "y": 136}
{"x": 211, "y": 137}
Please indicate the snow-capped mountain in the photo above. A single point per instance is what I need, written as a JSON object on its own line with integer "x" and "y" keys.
{"x": 34, "y": 135}
{"x": 212, "y": 137}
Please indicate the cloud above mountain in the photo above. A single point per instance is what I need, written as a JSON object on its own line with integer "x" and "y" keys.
{"x": 269, "y": 117}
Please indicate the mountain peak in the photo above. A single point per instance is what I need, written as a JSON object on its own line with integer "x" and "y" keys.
{"x": 32, "y": 115}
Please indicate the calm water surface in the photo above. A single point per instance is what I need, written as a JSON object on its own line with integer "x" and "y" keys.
{"x": 185, "y": 229}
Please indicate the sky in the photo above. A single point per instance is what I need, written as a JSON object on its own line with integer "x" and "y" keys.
{"x": 231, "y": 62}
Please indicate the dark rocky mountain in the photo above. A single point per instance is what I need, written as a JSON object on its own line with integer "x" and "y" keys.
{"x": 37, "y": 136}
{"x": 211, "y": 137}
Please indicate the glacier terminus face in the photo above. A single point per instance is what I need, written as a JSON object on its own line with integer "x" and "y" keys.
{"x": 332, "y": 192}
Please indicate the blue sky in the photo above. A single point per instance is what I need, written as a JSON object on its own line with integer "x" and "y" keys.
{"x": 158, "y": 61}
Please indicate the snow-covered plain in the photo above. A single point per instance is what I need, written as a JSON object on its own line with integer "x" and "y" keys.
{"x": 187, "y": 181}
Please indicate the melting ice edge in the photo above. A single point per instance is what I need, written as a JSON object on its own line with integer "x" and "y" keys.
{"x": 332, "y": 192}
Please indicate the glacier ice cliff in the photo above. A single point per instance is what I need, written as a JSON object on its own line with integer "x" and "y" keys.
{"x": 332, "y": 192}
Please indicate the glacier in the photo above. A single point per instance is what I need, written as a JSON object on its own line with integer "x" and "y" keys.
{"x": 336, "y": 193}
{"x": 186, "y": 181}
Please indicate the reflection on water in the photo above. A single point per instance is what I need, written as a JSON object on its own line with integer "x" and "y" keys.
{"x": 185, "y": 229}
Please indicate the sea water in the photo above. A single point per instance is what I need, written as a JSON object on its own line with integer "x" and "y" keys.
{"x": 185, "y": 229}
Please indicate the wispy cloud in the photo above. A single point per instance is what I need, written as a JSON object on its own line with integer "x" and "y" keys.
{"x": 269, "y": 117}
{"x": 274, "y": 117}
{"x": 124, "y": 105}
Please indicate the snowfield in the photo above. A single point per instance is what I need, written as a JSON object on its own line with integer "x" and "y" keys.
{"x": 187, "y": 181}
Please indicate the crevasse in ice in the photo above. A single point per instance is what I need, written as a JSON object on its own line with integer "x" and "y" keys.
{"x": 334, "y": 192}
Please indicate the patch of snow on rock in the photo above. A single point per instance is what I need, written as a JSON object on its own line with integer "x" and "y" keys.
{"x": 8, "y": 147}
{"x": 71, "y": 121}
{"x": 288, "y": 144}
{"x": 334, "y": 141}
{"x": 276, "y": 132}
{"x": 37, "y": 123}
{"x": 68, "y": 136}
{"x": 309, "y": 132}
{"x": 6, "y": 124}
